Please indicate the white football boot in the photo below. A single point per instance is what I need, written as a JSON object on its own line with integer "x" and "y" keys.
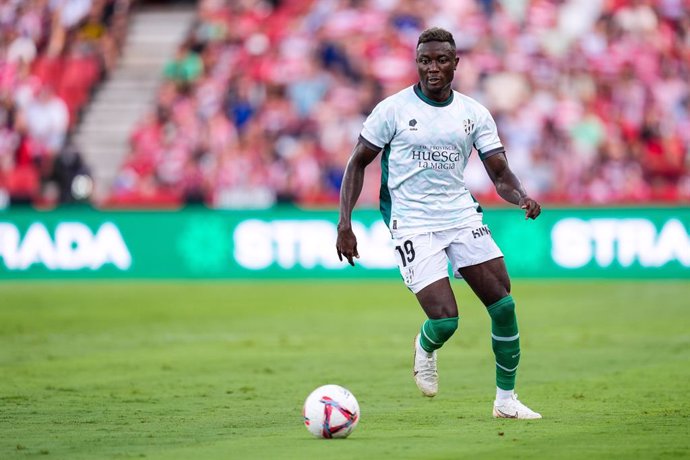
{"x": 424, "y": 370}
{"x": 512, "y": 408}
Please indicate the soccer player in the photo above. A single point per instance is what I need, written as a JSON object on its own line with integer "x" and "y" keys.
{"x": 426, "y": 133}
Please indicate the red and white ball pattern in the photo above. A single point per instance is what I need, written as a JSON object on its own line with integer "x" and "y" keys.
{"x": 331, "y": 411}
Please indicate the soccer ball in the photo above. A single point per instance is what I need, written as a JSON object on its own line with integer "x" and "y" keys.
{"x": 331, "y": 411}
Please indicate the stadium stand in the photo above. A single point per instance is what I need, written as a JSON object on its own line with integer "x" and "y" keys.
{"x": 52, "y": 54}
{"x": 591, "y": 97}
{"x": 262, "y": 100}
{"x": 154, "y": 32}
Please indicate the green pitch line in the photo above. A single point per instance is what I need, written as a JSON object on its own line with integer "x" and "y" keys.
{"x": 220, "y": 370}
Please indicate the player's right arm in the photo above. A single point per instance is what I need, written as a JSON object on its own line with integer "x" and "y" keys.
{"x": 353, "y": 179}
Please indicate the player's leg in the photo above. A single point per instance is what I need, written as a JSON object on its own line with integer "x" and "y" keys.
{"x": 424, "y": 268}
{"x": 438, "y": 302}
{"x": 490, "y": 282}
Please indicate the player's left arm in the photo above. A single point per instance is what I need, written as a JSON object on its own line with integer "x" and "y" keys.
{"x": 508, "y": 185}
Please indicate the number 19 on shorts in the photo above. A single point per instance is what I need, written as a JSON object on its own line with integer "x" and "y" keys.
{"x": 406, "y": 251}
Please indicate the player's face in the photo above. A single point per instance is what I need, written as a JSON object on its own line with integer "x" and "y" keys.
{"x": 436, "y": 64}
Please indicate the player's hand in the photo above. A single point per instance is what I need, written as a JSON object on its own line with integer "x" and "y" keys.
{"x": 531, "y": 207}
{"x": 346, "y": 245}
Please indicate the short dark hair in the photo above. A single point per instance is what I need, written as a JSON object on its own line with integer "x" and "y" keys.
{"x": 436, "y": 34}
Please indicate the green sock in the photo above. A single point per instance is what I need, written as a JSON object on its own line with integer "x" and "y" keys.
{"x": 505, "y": 341}
{"x": 435, "y": 332}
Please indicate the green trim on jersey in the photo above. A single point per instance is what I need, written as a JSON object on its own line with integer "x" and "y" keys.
{"x": 479, "y": 206}
{"x": 422, "y": 96}
{"x": 385, "y": 203}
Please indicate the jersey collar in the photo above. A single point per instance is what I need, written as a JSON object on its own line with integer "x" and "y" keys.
{"x": 420, "y": 94}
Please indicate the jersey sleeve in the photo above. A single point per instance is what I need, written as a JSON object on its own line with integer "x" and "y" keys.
{"x": 379, "y": 127}
{"x": 486, "y": 139}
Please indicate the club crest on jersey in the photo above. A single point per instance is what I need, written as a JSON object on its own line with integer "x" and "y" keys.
{"x": 468, "y": 125}
{"x": 413, "y": 124}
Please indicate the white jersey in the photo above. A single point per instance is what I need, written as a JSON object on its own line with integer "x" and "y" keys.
{"x": 426, "y": 146}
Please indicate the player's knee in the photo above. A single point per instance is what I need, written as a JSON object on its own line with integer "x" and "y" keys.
{"x": 445, "y": 328}
{"x": 503, "y": 311}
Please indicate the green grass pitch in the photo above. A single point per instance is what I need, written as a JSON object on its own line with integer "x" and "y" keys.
{"x": 182, "y": 370}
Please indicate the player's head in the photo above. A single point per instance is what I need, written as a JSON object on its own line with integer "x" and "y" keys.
{"x": 436, "y": 61}
{"x": 436, "y": 34}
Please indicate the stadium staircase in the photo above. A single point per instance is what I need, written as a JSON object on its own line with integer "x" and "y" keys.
{"x": 128, "y": 93}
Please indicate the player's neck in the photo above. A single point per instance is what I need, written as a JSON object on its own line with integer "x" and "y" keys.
{"x": 441, "y": 97}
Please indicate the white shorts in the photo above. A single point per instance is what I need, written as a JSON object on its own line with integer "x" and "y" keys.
{"x": 423, "y": 258}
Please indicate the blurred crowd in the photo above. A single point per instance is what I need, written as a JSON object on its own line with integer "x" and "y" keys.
{"x": 265, "y": 100}
{"x": 52, "y": 54}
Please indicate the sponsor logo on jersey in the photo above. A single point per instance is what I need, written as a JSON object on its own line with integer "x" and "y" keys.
{"x": 413, "y": 124}
{"x": 436, "y": 156}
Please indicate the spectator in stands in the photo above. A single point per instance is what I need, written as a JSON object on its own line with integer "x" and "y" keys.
{"x": 70, "y": 12}
{"x": 71, "y": 176}
{"x": 9, "y": 143}
{"x": 45, "y": 120}
{"x": 186, "y": 67}
{"x": 21, "y": 49}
